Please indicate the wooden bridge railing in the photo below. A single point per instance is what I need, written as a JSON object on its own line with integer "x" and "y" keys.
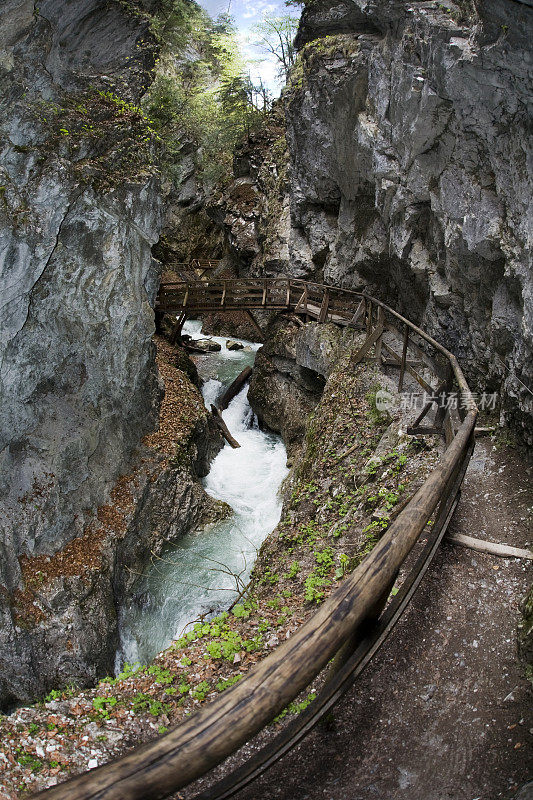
{"x": 199, "y": 743}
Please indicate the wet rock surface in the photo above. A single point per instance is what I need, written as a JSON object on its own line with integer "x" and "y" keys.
{"x": 207, "y": 345}
{"x": 81, "y": 205}
{"x": 253, "y": 209}
{"x": 231, "y": 345}
{"x": 290, "y": 372}
{"x": 64, "y": 613}
{"x": 78, "y": 378}
{"x": 405, "y": 172}
{"x": 280, "y": 393}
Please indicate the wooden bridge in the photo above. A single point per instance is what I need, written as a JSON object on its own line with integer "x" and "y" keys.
{"x": 351, "y": 622}
{"x": 275, "y": 294}
{"x": 195, "y": 269}
{"x": 391, "y": 339}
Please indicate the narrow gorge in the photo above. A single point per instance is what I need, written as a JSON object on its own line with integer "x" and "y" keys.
{"x": 146, "y": 565}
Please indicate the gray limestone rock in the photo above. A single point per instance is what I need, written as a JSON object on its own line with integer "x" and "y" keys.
{"x": 407, "y": 132}
{"x": 207, "y": 345}
{"x": 289, "y": 374}
{"x": 78, "y": 380}
{"x": 232, "y": 345}
{"x": 409, "y": 175}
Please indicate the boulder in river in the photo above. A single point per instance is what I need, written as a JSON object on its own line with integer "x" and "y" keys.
{"x": 207, "y": 345}
{"x": 232, "y": 345}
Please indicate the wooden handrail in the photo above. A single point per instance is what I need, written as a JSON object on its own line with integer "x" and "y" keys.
{"x": 321, "y": 288}
{"x": 162, "y": 767}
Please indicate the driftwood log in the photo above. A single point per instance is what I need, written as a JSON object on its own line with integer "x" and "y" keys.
{"x": 224, "y": 428}
{"x": 234, "y": 388}
{"x": 492, "y": 548}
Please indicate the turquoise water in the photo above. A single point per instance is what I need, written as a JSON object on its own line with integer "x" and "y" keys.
{"x": 196, "y": 576}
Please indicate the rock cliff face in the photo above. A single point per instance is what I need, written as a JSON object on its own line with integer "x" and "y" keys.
{"x": 290, "y": 373}
{"x": 80, "y": 208}
{"x": 253, "y": 208}
{"x": 408, "y": 145}
{"x": 409, "y": 162}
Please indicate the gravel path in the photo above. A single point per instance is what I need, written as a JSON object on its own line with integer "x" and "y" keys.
{"x": 444, "y": 712}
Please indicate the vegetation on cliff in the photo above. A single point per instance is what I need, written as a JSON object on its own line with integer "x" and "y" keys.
{"x": 202, "y": 94}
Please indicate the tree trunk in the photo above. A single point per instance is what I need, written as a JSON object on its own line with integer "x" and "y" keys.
{"x": 234, "y": 388}
{"x": 224, "y": 428}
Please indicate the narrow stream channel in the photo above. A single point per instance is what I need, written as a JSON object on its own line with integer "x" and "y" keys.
{"x": 191, "y": 578}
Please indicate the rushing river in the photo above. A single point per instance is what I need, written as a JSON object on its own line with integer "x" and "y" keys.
{"x": 195, "y": 576}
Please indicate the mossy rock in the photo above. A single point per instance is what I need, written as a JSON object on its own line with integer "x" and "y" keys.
{"x": 215, "y": 511}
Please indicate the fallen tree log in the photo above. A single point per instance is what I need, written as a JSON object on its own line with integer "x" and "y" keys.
{"x": 223, "y": 427}
{"x": 234, "y": 388}
{"x": 492, "y": 548}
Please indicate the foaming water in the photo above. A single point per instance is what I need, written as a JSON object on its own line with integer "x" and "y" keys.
{"x": 197, "y": 575}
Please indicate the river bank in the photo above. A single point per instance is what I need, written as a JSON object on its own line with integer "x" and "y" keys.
{"x": 350, "y": 473}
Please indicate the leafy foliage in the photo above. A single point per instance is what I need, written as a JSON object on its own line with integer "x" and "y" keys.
{"x": 275, "y": 35}
{"x": 202, "y": 94}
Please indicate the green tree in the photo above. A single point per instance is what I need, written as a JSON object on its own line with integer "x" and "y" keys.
{"x": 275, "y": 35}
{"x": 208, "y": 99}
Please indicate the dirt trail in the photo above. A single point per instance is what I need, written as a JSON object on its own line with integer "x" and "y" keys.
{"x": 444, "y": 712}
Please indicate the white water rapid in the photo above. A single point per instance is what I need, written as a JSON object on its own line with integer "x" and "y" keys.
{"x": 195, "y": 576}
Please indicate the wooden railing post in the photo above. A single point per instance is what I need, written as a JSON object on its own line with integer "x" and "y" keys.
{"x": 404, "y": 357}
{"x": 442, "y": 403}
{"x": 324, "y": 307}
{"x": 301, "y": 305}
{"x": 369, "y": 311}
{"x": 380, "y": 323}
{"x": 348, "y": 648}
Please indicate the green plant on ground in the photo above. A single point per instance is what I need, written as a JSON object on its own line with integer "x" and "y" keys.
{"x": 200, "y": 691}
{"x": 296, "y": 708}
{"x": 160, "y": 675}
{"x": 343, "y": 566}
{"x": 313, "y": 588}
{"x": 294, "y": 569}
{"x": 28, "y": 760}
{"x": 226, "y": 683}
{"x": 103, "y": 705}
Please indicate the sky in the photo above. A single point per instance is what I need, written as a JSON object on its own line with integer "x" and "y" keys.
{"x": 246, "y": 14}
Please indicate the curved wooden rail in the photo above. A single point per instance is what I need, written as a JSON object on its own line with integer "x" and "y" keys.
{"x": 199, "y": 743}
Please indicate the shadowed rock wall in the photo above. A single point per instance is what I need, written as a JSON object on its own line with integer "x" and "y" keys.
{"x": 410, "y": 172}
